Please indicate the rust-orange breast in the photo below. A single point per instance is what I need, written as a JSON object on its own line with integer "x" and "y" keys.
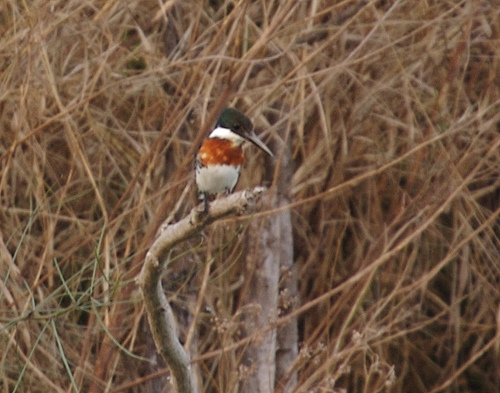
{"x": 220, "y": 151}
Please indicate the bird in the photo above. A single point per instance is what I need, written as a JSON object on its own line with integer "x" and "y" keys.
{"x": 220, "y": 157}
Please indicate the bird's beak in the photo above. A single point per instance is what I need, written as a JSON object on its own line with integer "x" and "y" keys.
{"x": 252, "y": 137}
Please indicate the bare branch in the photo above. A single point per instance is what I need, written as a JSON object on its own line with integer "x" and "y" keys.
{"x": 160, "y": 316}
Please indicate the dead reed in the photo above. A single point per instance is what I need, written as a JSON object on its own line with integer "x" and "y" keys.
{"x": 393, "y": 114}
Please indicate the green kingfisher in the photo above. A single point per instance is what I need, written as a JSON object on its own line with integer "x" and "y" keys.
{"x": 220, "y": 157}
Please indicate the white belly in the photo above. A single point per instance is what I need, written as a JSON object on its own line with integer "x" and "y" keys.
{"x": 216, "y": 179}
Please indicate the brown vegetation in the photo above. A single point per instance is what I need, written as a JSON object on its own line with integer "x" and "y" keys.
{"x": 392, "y": 110}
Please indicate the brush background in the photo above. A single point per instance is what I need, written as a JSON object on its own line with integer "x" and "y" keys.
{"x": 392, "y": 112}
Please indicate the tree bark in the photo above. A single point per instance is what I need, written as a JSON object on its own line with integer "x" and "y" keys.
{"x": 262, "y": 290}
{"x": 287, "y": 335}
{"x": 270, "y": 255}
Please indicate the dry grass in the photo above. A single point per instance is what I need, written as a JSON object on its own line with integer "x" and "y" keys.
{"x": 393, "y": 111}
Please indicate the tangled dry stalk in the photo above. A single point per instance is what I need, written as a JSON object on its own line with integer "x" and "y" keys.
{"x": 392, "y": 110}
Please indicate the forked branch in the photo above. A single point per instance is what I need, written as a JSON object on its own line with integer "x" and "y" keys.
{"x": 160, "y": 315}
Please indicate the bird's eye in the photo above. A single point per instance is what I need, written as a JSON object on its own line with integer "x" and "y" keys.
{"x": 237, "y": 127}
